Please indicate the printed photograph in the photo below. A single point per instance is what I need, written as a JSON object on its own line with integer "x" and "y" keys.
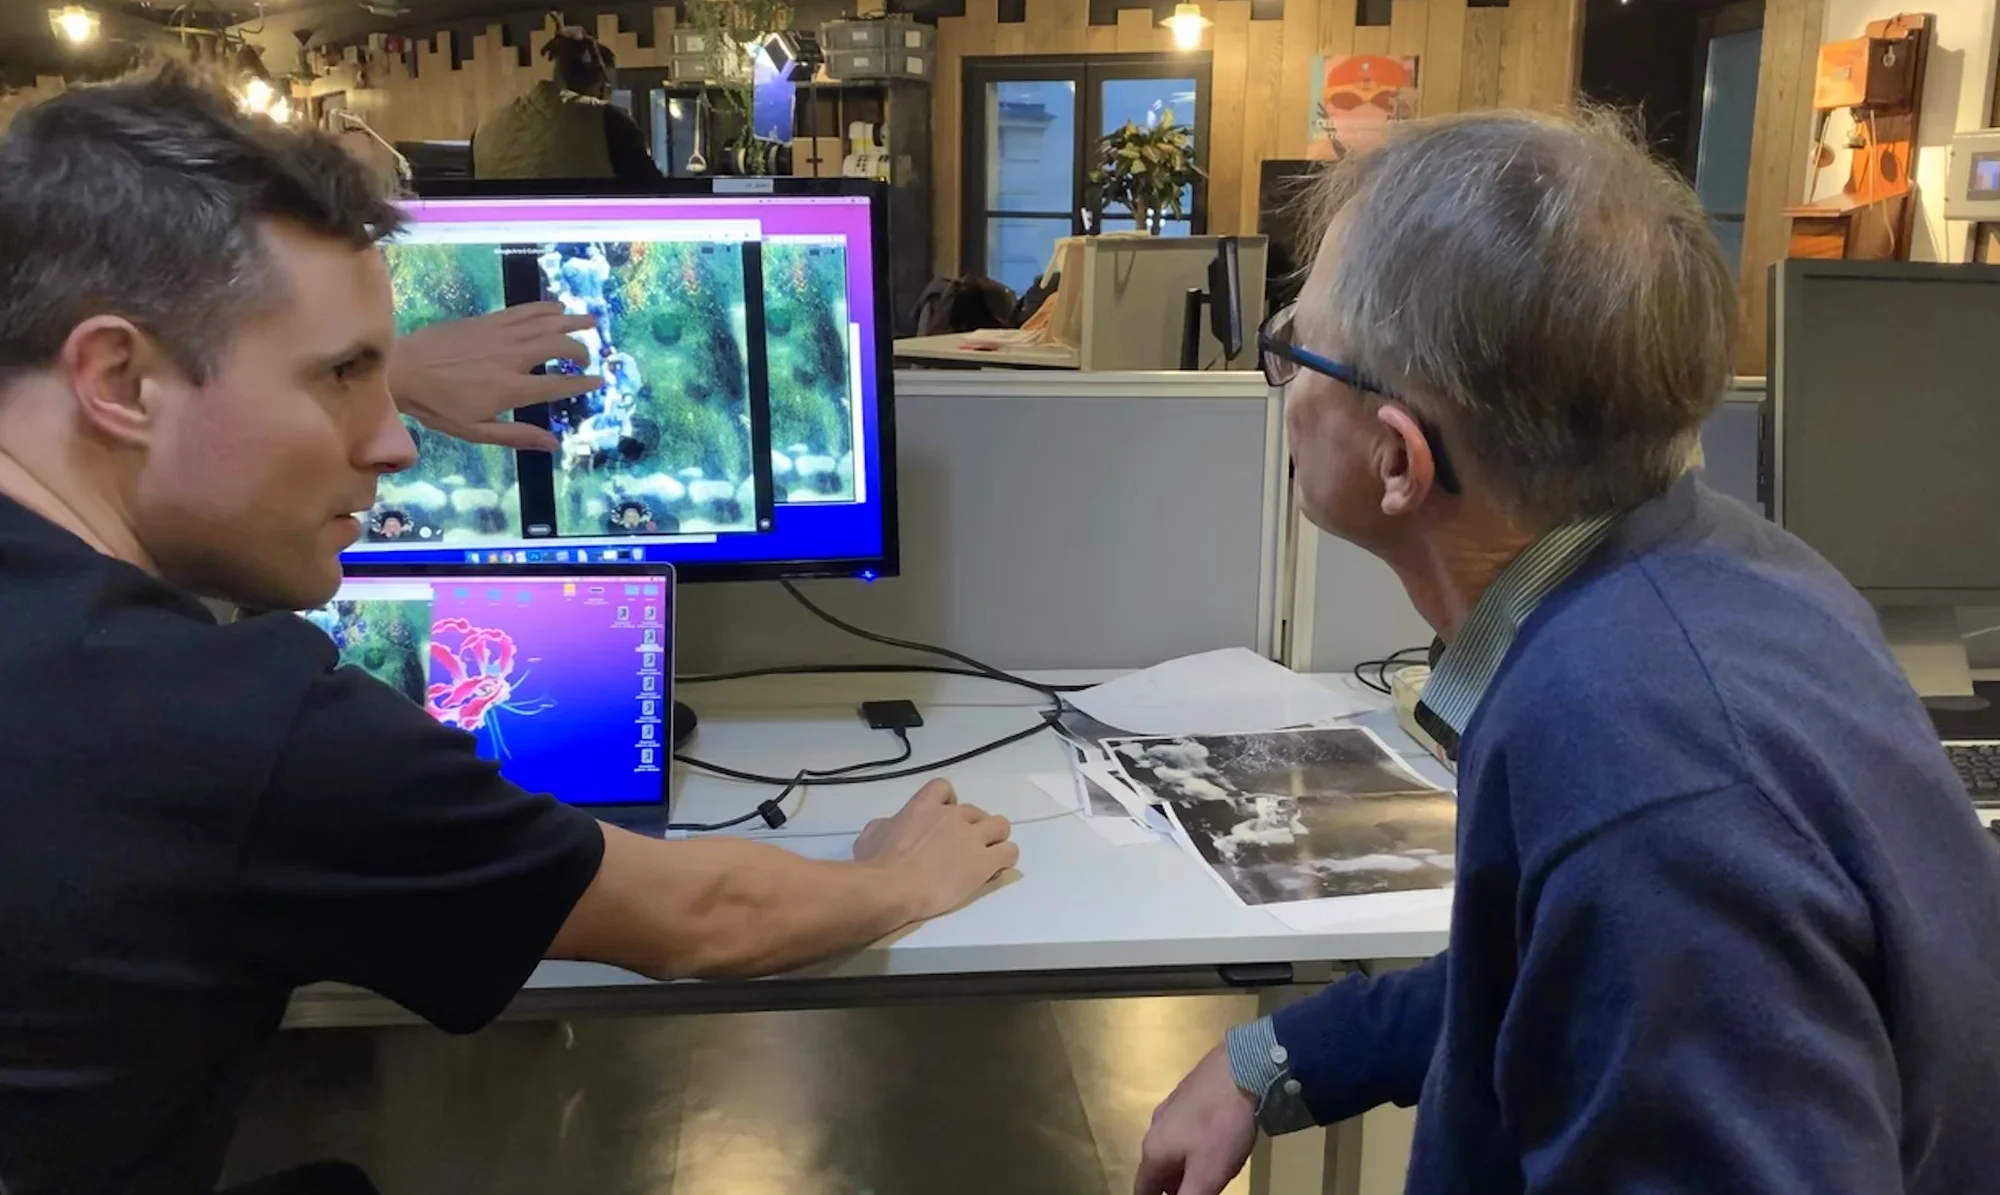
{"x": 664, "y": 446}
{"x": 1299, "y": 814}
{"x": 810, "y": 358}
{"x": 389, "y": 640}
{"x": 456, "y": 492}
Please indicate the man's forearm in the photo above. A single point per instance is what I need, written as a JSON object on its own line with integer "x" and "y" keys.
{"x": 723, "y": 908}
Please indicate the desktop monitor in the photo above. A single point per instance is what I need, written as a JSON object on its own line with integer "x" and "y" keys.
{"x": 1225, "y": 297}
{"x": 1881, "y": 442}
{"x": 745, "y": 428}
{"x": 565, "y": 679}
{"x": 1284, "y": 194}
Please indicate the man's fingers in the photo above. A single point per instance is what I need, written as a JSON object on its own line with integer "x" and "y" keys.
{"x": 1203, "y": 1174}
{"x": 937, "y": 792}
{"x": 547, "y": 315}
{"x": 537, "y": 347}
{"x": 523, "y": 436}
{"x": 1158, "y": 1174}
{"x": 995, "y": 829}
{"x": 1004, "y": 856}
{"x": 532, "y": 389}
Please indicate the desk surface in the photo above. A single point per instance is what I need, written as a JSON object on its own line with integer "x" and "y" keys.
{"x": 1077, "y": 904}
{"x": 950, "y": 347}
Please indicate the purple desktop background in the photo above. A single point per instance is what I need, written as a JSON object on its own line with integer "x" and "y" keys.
{"x": 577, "y": 728}
{"x": 807, "y": 532}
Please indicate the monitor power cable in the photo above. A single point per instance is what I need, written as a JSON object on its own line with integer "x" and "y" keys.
{"x": 1405, "y": 658}
{"x": 771, "y": 812}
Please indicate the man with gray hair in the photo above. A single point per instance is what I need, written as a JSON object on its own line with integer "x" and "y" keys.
{"x": 1724, "y": 919}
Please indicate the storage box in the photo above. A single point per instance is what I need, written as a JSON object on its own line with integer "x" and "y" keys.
{"x": 701, "y": 68}
{"x": 816, "y": 157}
{"x": 861, "y": 65}
{"x": 890, "y": 34}
{"x": 690, "y": 41}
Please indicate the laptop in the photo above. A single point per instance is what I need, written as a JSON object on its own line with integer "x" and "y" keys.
{"x": 565, "y": 679}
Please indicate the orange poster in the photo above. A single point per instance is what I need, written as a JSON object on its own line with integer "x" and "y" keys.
{"x": 1354, "y": 100}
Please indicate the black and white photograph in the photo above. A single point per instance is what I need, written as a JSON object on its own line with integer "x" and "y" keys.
{"x": 1299, "y": 815}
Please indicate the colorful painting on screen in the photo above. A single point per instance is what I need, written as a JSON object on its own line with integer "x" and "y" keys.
{"x": 1354, "y": 100}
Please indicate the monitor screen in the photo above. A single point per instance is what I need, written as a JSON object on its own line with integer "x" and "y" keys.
{"x": 1884, "y": 379}
{"x": 744, "y": 428}
{"x": 565, "y": 680}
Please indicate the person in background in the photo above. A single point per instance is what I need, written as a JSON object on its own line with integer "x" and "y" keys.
{"x": 1725, "y": 921}
{"x": 566, "y": 127}
{"x": 200, "y": 384}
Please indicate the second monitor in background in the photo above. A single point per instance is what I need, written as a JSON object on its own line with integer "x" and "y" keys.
{"x": 745, "y": 426}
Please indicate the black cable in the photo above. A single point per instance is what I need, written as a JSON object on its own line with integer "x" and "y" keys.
{"x": 1394, "y": 660}
{"x": 770, "y": 811}
{"x": 711, "y": 678}
{"x": 1052, "y": 692}
{"x": 838, "y": 779}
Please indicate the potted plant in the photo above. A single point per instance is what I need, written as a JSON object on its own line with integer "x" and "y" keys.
{"x": 1148, "y": 168}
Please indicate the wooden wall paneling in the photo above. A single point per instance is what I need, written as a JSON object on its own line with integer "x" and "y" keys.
{"x": 1408, "y": 27}
{"x": 1263, "y": 99}
{"x": 863, "y": 8}
{"x": 1102, "y": 39}
{"x": 1479, "y": 64}
{"x": 1371, "y": 39}
{"x": 1542, "y": 50}
{"x": 1228, "y": 75}
{"x": 1336, "y": 29}
{"x": 1010, "y": 38}
{"x": 1781, "y": 136}
{"x": 981, "y": 21}
{"x": 1070, "y": 17}
{"x": 1138, "y": 34}
{"x": 1301, "y": 37}
{"x": 1039, "y": 26}
{"x": 947, "y": 95}
{"x": 1441, "y": 69}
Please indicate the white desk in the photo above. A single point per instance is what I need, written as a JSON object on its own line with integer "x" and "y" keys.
{"x": 949, "y": 349}
{"x": 1078, "y": 917}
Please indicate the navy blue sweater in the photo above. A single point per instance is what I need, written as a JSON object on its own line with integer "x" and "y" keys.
{"x": 1725, "y": 921}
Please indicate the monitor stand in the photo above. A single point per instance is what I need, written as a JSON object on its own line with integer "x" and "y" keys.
{"x": 1927, "y": 643}
{"x": 684, "y": 724}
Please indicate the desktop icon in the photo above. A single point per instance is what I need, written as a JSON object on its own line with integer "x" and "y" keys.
{"x": 610, "y": 554}
{"x": 650, "y": 683}
{"x": 624, "y": 612}
{"x": 472, "y": 558}
{"x": 646, "y": 731}
{"x": 646, "y": 756}
{"x": 562, "y": 555}
{"x": 652, "y": 612}
{"x": 652, "y": 590}
{"x": 569, "y": 589}
{"x": 649, "y": 708}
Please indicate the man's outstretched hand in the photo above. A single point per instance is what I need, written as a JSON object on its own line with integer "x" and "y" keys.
{"x": 942, "y": 850}
{"x": 459, "y": 377}
{"x": 1201, "y": 1134}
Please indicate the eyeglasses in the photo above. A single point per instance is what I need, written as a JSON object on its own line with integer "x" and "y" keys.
{"x": 1281, "y": 361}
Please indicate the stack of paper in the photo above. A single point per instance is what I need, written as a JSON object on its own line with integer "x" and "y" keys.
{"x": 1238, "y": 760}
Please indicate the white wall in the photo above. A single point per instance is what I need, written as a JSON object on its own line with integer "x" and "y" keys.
{"x": 1958, "y": 95}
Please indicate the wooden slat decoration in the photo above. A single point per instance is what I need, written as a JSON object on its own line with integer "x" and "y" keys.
{"x": 1263, "y": 98}
{"x": 1371, "y": 39}
{"x": 1479, "y": 76}
{"x": 1227, "y": 77}
{"x": 1100, "y": 39}
{"x": 1010, "y": 38}
{"x": 1138, "y": 34}
{"x": 1071, "y": 19}
{"x": 1407, "y": 30}
{"x": 947, "y": 139}
{"x": 1301, "y": 38}
{"x": 1442, "y": 65}
{"x": 1781, "y": 134}
{"x": 1336, "y": 28}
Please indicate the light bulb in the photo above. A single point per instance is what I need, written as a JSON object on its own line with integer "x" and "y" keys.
{"x": 280, "y": 110}
{"x": 1187, "y": 24}
{"x": 257, "y": 96}
{"x": 75, "y": 24}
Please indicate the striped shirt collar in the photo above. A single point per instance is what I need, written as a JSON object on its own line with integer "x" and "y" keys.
{"x": 1455, "y": 687}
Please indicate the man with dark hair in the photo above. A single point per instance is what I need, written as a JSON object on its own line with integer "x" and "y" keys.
{"x": 199, "y": 387}
{"x": 566, "y": 127}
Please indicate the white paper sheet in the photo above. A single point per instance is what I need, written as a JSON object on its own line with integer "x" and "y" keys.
{"x": 1377, "y": 910}
{"x": 1231, "y": 691}
{"x": 1118, "y": 831}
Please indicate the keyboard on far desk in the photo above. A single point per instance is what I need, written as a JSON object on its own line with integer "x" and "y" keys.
{"x": 1978, "y": 765}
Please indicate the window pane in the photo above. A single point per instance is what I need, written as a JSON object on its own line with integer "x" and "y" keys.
{"x": 1017, "y": 248}
{"x": 1030, "y": 146}
{"x": 673, "y": 130}
{"x": 1146, "y": 102}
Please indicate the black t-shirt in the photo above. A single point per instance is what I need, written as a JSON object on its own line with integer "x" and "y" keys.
{"x": 195, "y": 819}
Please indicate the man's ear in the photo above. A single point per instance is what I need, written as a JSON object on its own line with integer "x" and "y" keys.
{"x": 114, "y": 369}
{"x": 1408, "y": 471}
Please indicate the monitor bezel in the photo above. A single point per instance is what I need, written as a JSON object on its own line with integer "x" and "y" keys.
{"x": 1786, "y": 327}
{"x": 649, "y": 815}
{"x": 888, "y": 563}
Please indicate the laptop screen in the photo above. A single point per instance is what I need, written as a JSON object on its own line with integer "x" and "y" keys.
{"x": 566, "y": 681}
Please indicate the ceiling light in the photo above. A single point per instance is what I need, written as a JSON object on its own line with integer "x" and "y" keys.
{"x": 1187, "y": 24}
{"x": 73, "y": 23}
{"x": 257, "y": 96}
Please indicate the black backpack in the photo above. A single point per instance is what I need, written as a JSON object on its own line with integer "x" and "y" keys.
{"x": 970, "y": 303}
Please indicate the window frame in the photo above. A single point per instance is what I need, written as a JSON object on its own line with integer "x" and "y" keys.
{"x": 1086, "y": 73}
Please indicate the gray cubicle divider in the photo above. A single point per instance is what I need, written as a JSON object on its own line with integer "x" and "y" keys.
{"x": 1049, "y": 520}
{"x": 1135, "y": 291}
{"x": 1348, "y": 606}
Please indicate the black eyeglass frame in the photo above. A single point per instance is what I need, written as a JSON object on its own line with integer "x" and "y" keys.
{"x": 1275, "y": 350}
